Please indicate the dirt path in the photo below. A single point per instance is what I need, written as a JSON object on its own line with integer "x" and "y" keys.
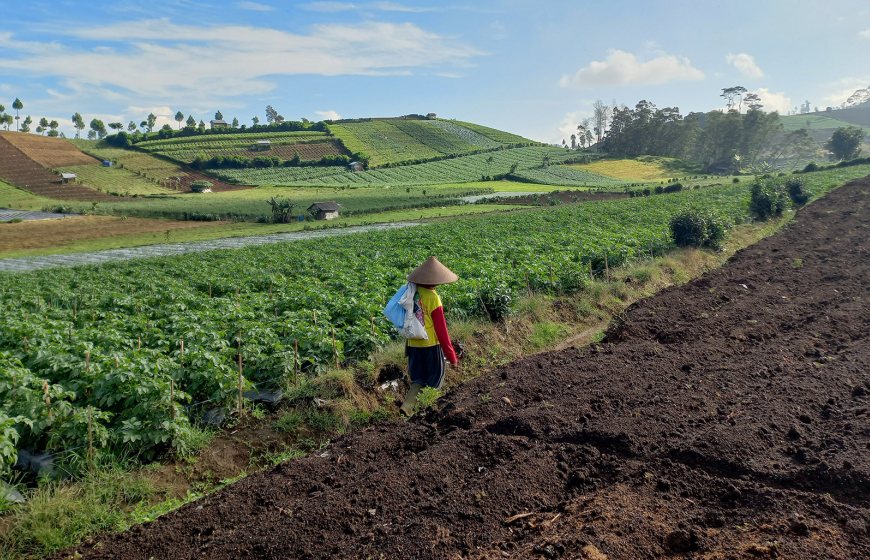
{"x": 26, "y": 264}
{"x": 727, "y": 418}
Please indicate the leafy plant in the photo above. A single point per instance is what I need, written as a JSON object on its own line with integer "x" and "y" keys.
{"x": 768, "y": 199}
{"x": 698, "y": 227}
{"x": 796, "y": 191}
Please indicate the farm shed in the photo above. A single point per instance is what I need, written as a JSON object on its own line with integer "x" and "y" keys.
{"x": 324, "y": 210}
{"x": 219, "y": 123}
{"x": 107, "y": 163}
{"x": 261, "y": 146}
{"x": 356, "y": 166}
{"x": 68, "y": 178}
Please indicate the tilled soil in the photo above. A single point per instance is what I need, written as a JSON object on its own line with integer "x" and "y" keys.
{"x": 726, "y": 418}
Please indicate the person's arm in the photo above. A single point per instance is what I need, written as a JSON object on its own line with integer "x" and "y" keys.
{"x": 440, "y": 325}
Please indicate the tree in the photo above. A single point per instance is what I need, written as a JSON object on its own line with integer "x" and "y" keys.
{"x": 218, "y": 116}
{"x": 151, "y": 121}
{"x": 179, "y": 116}
{"x": 78, "y": 124}
{"x": 235, "y": 122}
{"x": 573, "y": 141}
{"x": 271, "y": 114}
{"x": 52, "y": 128}
{"x": 98, "y": 128}
{"x": 256, "y": 120}
{"x": 845, "y": 142}
{"x": 25, "y": 125}
{"x": 131, "y": 126}
{"x": 753, "y": 101}
{"x": 733, "y": 96}
{"x": 600, "y": 115}
{"x": 796, "y": 146}
{"x": 143, "y": 125}
{"x": 191, "y": 122}
{"x": 17, "y": 105}
{"x": 201, "y": 126}
{"x": 117, "y": 126}
{"x": 43, "y": 125}
{"x": 92, "y": 134}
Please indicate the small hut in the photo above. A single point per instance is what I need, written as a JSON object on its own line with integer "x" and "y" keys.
{"x": 261, "y": 146}
{"x": 68, "y": 178}
{"x": 219, "y": 123}
{"x": 324, "y": 210}
{"x": 356, "y": 166}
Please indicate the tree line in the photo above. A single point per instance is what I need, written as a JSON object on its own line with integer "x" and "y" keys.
{"x": 741, "y": 136}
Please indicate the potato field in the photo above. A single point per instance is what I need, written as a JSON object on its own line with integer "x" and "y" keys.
{"x": 103, "y": 345}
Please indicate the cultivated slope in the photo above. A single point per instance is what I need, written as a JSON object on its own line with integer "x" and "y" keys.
{"x": 727, "y": 418}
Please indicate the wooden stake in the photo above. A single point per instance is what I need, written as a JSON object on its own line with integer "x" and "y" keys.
{"x": 209, "y": 290}
{"x": 139, "y": 343}
{"x": 46, "y": 397}
{"x": 116, "y": 362}
{"x": 334, "y": 347}
{"x": 295, "y": 358}
{"x": 91, "y": 438}
{"x": 181, "y": 358}
{"x": 314, "y": 315}
{"x": 606, "y": 267}
{"x": 172, "y": 398}
{"x": 239, "y": 347}
{"x": 372, "y": 322}
{"x": 87, "y": 361}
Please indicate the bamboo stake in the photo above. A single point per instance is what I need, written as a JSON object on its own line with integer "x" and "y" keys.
{"x": 334, "y": 348}
{"x": 181, "y": 358}
{"x": 139, "y": 343}
{"x": 372, "y": 322}
{"x": 606, "y": 267}
{"x": 88, "y": 361}
{"x": 239, "y": 347}
{"x": 314, "y": 315}
{"x": 528, "y": 286}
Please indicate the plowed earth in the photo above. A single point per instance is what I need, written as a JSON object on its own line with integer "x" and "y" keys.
{"x": 726, "y": 418}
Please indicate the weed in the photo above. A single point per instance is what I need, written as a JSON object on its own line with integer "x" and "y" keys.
{"x": 797, "y": 263}
{"x": 427, "y": 397}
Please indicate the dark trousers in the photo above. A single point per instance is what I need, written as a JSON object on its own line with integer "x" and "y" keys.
{"x": 426, "y": 365}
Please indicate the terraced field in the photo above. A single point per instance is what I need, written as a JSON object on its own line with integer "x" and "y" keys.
{"x": 565, "y": 176}
{"x": 382, "y": 141}
{"x": 453, "y": 170}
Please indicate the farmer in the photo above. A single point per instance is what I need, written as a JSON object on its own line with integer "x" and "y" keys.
{"x": 426, "y": 357}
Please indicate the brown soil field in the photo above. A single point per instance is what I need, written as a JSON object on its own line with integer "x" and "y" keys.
{"x": 725, "y": 418}
{"x": 57, "y": 233}
{"x": 48, "y": 152}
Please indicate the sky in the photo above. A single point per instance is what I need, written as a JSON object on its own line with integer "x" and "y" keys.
{"x": 529, "y": 67}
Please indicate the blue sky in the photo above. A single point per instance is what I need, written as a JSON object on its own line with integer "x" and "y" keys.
{"x": 532, "y": 67}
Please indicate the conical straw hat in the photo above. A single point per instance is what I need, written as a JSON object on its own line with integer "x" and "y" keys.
{"x": 432, "y": 273}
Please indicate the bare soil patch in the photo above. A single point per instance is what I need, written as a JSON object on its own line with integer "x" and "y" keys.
{"x": 726, "y": 418}
{"x": 57, "y": 233}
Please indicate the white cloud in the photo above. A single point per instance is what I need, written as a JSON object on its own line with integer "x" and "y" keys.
{"x": 160, "y": 61}
{"x": 838, "y": 92}
{"x": 328, "y": 115}
{"x": 621, "y": 68}
{"x": 745, "y": 63}
{"x": 774, "y": 101}
{"x": 255, "y": 6}
{"x": 396, "y": 7}
{"x": 329, "y": 7}
{"x": 864, "y": 34}
{"x": 568, "y": 126}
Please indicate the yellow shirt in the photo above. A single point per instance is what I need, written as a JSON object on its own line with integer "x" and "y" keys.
{"x": 425, "y": 303}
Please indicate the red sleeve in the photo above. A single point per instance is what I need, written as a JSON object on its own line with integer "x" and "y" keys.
{"x": 440, "y": 325}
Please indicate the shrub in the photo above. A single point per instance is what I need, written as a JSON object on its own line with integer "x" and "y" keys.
{"x": 796, "y": 191}
{"x": 497, "y": 301}
{"x": 200, "y": 186}
{"x": 810, "y": 167}
{"x": 698, "y": 227}
{"x": 768, "y": 199}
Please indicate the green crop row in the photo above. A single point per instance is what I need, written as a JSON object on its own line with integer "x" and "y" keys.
{"x": 565, "y": 177}
{"x": 462, "y": 169}
{"x": 242, "y": 137}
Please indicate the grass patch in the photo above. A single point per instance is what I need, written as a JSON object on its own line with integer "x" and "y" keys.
{"x": 547, "y": 333}
{"x": 13, "y": 197}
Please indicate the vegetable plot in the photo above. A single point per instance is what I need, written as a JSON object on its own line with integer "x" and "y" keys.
{"x": 119, "y": 355}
